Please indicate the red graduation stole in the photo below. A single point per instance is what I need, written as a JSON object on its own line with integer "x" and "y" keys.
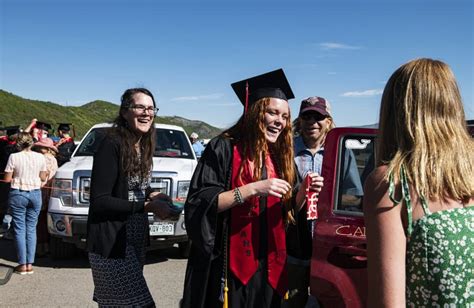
{"x": 64, "y": 140}
{"x": 245, "y": 226}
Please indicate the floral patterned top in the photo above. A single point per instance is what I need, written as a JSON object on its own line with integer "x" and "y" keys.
{"x": 439, "y": 256}
{"x": 440, "y": 260}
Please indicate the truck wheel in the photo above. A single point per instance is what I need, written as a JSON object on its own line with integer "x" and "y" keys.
{"x": 60, "y": 250}
{"x": 184, "y": 248}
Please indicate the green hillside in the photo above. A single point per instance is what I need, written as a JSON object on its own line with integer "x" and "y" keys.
{"x": 15, "y": 110}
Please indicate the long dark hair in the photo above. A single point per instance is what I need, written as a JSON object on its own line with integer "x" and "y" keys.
{"x": 131, "y": 163}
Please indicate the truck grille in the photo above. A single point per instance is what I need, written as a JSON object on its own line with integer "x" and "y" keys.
{"x": 162, "y": 185}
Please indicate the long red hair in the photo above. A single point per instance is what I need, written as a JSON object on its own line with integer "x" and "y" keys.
{"x": 249, "y": 132}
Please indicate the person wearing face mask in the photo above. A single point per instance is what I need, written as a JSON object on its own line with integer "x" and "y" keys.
{"x": 311, "y": 128}
{"x": 117, "y": 226}
{"x": 239, "y": 202}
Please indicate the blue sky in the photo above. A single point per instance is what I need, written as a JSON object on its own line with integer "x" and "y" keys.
{"x": 188, "y": 53}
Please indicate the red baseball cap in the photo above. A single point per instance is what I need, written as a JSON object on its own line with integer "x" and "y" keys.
{"x": 315, "y": 103}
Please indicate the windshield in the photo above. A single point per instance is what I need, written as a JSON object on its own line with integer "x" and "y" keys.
{"x": 169, "y": 143}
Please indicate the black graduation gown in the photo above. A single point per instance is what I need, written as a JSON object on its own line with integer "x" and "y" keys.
{"x": 202, "y": 286}
{"x": 65, "y": 151}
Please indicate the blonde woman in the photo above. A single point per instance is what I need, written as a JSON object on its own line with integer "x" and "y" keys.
{"x": 418, "y": 201}
{"x": 47, "y": 148}
{"x": 26, "y": 170}
{"x": 49, "y": 151}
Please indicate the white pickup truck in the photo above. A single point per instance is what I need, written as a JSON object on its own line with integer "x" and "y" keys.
{"x": 173, "y": 166}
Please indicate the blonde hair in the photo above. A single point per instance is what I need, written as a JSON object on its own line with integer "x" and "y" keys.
{"x": 23, "y": 141}
{"x": 298, "y": 132}
{"x": 249, "y": 131}
{"x": 423, "y": 129}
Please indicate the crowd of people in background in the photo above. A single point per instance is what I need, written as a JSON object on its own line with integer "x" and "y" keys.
{"x": 29, "y": 159}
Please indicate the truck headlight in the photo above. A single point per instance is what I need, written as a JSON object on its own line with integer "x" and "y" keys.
{"x": 62, "y": 189}
{"x": 183, "y": 188}
{"x": 85, "y": 188}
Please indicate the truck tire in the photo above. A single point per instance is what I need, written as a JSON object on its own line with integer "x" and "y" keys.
{"x": 59, "y": 249}
{"x": 184, "y": 248}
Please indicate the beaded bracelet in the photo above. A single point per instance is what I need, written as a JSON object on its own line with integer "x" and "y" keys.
{"x": 238, "y": 196}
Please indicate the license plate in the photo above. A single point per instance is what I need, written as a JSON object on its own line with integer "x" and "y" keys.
{"x": 162, "y": 228}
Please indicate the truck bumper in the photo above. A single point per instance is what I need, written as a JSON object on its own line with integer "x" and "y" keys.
{"x": 73, "y": 229}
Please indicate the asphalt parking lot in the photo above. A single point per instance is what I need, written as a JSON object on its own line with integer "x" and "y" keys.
{"x": 68, "y": 283}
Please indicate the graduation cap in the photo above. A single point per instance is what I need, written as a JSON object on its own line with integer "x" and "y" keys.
{"x": 65, "y": 127}
{"x": 272, "y": 84}
{"x": 12, "y": 130}
{"x": 43, "y": 125}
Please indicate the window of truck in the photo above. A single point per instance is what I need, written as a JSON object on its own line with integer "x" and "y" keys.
{"x": 169, "y": 143}
{"x": 356, "y": 161}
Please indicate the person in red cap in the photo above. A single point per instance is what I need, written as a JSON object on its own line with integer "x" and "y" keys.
{"x": 311, "y": 128}
{"x": 240, "y": 200}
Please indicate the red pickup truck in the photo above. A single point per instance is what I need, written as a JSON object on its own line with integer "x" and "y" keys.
{"x": 339, "y": 262}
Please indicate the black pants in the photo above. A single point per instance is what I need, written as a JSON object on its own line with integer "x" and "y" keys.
{"x": 298, "y": 283}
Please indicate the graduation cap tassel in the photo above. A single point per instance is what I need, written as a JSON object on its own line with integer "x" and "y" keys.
{"x": 224, "y": 298}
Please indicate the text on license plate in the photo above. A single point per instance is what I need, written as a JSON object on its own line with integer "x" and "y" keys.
{"x": 162, "y": 228}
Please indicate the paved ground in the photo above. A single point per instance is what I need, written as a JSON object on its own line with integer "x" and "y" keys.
{"x": 68, "y": 283}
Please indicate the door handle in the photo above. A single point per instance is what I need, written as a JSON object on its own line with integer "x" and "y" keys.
{"x": 349, "y": 256}
{"x": 360, "y": 251}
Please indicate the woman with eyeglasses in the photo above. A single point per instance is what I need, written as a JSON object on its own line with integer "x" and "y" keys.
{"x": 117, "y": 227}
{"x": 311, "y": 128}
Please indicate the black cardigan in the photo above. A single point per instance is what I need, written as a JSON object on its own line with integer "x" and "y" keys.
{"x": 109, "y": 205}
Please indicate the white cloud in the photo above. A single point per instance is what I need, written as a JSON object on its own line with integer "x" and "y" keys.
{"x": 332, "y": 46}
{"x": 371, "y": 92}
{"x": 332, "y": 73}
{"x": 198, "y": 97}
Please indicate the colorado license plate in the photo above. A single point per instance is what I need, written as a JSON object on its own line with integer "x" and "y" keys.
{"x": 162, "y": 228}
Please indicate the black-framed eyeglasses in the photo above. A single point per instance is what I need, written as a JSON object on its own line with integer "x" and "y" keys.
{"x": 143, "y": 109}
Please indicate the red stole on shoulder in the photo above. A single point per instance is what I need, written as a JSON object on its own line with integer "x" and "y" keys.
{"x": 64, "y": 140}
{"x": 245, "y": 230}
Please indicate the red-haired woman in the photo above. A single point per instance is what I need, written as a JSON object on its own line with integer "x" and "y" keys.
{"x": 239, "y": 202}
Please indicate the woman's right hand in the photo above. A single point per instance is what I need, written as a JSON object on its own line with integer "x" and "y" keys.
{"x": 271, "y": 187}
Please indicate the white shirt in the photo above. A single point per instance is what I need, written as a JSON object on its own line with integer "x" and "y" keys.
{"x": 26, "y": 167}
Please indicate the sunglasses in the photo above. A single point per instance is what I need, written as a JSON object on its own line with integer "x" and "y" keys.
{"x": 313, "y": 116}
